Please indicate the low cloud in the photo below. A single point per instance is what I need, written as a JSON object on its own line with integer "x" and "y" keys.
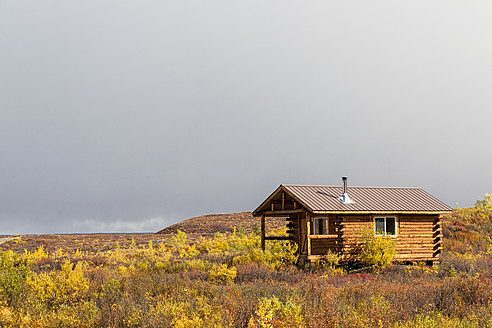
{"x": 152, "y": 224}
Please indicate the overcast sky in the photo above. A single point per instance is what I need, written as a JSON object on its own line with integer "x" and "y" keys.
{"x": 126, "y": 116}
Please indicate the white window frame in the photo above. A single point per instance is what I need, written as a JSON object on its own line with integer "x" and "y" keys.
{"x": 385, "y": 233}
{"x": 316, "y": 224}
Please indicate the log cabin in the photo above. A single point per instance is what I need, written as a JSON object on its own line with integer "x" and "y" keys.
{"x": 331, "y": 218}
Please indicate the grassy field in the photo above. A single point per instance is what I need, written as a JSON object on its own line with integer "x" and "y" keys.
{"x": 178, "y": 279}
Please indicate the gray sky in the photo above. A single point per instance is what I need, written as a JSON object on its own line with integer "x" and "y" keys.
{"x": 132, "y": 115}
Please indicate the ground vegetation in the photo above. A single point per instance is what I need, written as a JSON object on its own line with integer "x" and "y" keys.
{"x": 226, "y": 280}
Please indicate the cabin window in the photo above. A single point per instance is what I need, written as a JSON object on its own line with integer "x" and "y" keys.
{"x": 385, "y": 226}
{"x": 320, "y": 226}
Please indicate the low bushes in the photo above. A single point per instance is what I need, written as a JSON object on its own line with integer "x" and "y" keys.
{"x": 228, "y": 281}
{"x": 134, "y": 292}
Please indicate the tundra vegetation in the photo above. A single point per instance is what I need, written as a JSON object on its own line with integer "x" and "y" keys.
{"x": 228, "y": 281}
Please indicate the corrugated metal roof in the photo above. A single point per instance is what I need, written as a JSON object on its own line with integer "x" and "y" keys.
{"x": 325, "y": 198}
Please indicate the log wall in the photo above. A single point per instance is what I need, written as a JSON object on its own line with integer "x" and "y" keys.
{"x": 352, "y": 227}
{"x": 419, "y": 237}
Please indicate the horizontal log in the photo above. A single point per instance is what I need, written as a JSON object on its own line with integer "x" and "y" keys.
{"x": 400, "y": 246}
{"x": 414, "y": 256}
{"x": 421, "y": 253}
{"x": 426, "y": 233}
{"x": 414, "y": 239}
{"x": 314, "y": 257}
{"x": 416, "y": 249}
{"x": 405, "y": 253}
{"x": 326, "y": 246}
{"x": 324, "y": 250}
{"x": 397, "y": 258}
{"x": 359, "y": 236}
{"x": 355, "y": 234}
{"x": 413, "y": 234}
{"x": 355, "y": 224}
{"x": 417, "y": 223}
{"x": 323, "y": 236}
{"x": 407, "y": 234}
{"x": 411, "y": 225}
{"x": 414, "y": 245}
{"x": 428, "y": 247}
{"x": 416, "y": 259}
{"x": 408, "y": 254}
{"x": 326, "y": 240}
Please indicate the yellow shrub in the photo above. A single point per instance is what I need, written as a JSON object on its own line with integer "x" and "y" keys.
{"x": 196, "y": 264}
{"x": 66, "y": 286}
{"x": 421, "y": 267}
{"x": 12, "y": 317}
{"x": 37, "y": 255}
{"x": 377, "y": 251}
{"x": 328, "y": 264}
{"x": 271, "y": 312}
{"x": 14, "y": 272}
{"x": 438, "y": 320}
{"x": 223, "y": 274}
{"x": 178, "y": 241}
{"x": 117, "y": 256}
{"x": 83, "y": 315}
{"x": 58, "y": 253}
{"x": 283, "y": 252}
{"x": 198, "y": 312}
{"x": 189, "y": 252}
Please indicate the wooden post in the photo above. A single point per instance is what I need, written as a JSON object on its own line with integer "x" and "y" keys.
{"x": 308, "y": 233}
{"x": 263, "y": 232}
{"x": 283, "y": 201}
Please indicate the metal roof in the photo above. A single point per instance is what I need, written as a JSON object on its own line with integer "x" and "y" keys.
{"x": 325, "y": 198}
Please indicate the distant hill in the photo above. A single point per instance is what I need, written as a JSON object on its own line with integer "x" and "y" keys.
{"x": 213, "y": 223}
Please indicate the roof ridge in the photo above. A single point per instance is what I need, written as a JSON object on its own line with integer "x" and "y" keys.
{"x": 339, "y": 186}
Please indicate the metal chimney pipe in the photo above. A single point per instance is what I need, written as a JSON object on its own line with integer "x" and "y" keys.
{"x": 344, "y": 180}
{"x": 345, "y": 197}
